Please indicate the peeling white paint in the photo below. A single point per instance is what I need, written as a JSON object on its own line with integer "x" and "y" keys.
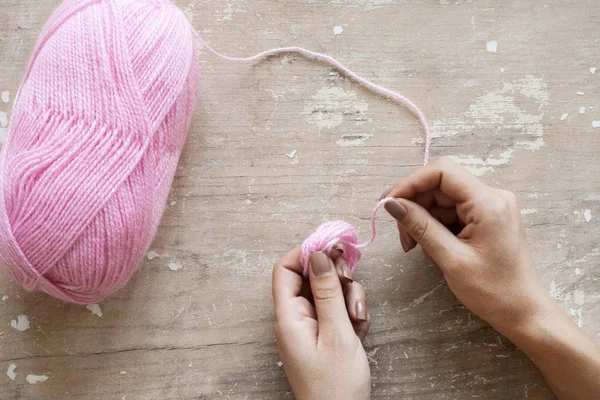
{"x": 528, "y": 211}
{"x": 478, "y": 166}
{"x": 33, "y": 379}
{"x": 577, "y": 313}
{"x": 11, "y": 371}
{"x": 174, "y": 266}
{"x": 4, "y": 298}
{"x": 5, "y": 96}
{"x": 373, "y": 4}
{"x": 586, "y": 258}
{"x": 532, "y": 145}
{"x": 593, "y": 70}
{"x": 172, "y": 203}
{"x": 151, "y": 255}
{"x": 21, "y": 323}
{"x": 581, "y": 110}
{"x": 329, "y": 105}
{"x": 292, "y": 153}
{"x": 579, "y": 297}
{"x": 587, "y": 215}
{"x": 3, "y": 119}
{"x": 577, "y": 271}
{"x": 371, "y": 354}
{"x": 595, "y": 124}
{"x": 337, "y": 30}
{"x": 564, "y": 116}
{"x": 580, "y": 93}
{"x": 556, "y": 292}
{"x": 491, "y": 112}
{"x": 422, "y": 298}
{"x": 95, "y": 309}
{"x": 352, "y": 140}
{"x": 492, "y": 46}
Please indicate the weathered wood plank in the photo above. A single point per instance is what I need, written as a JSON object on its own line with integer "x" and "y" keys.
{"x": 205, "y": 331}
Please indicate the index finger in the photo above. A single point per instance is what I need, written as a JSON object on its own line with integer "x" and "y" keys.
{"x": 287, "y": 277}
{"x": 453, "y": 180}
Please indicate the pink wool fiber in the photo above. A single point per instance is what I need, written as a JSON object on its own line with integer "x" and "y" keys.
{"x": 96, "y": 132}
{"x": 338, "y": 233}
{"x": 328, "y": 235}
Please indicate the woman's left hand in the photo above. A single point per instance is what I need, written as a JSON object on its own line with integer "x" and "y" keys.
{"x": 319, "y": 325}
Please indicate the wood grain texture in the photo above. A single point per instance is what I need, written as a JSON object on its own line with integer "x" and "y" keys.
{"x": 205, "y": 331}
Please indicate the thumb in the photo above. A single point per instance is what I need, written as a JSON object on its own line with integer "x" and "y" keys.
{"x": 330, "y": 305}
{"x": 435, "y": 239}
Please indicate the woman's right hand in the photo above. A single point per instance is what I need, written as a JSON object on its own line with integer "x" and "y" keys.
{"x": 475, "y": 235}
{"x": 487, "y": 264}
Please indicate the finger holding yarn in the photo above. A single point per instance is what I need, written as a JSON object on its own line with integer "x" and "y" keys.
{"x": 333, "y": 233}
{"x": 327, "y": 236}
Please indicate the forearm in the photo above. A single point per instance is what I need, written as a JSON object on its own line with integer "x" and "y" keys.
{"x": 568, "y": 359}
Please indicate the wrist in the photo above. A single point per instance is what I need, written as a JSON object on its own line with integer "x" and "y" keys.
{"x": 531, "y": 319}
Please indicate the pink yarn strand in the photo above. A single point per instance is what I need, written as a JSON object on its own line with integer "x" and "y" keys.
{"x": 335, "y": 233}
{"x": 311, "y": 55}
{"x": 373, "y": 230}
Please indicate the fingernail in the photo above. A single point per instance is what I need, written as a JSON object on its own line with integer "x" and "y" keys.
{"x": 396, "y": 210}
{"x": 361, "y": 310}
{"x": 339, "y": 247}
{"x": 336, "y": 252}
{"x": 384, "y": 194}
{"x": 346, "y": 274}
{"x": 320, "y": 264}
{"x": 403, "y": 242}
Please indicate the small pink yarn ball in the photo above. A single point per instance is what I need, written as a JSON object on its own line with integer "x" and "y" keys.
{"x": 96, "y": 132}
{"x": 326, "y": 237}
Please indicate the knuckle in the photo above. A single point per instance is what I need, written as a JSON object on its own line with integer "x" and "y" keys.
{"x": 338, "y": 341}
{"x": 419, "y": 229}
{"x": 445, "y": 162}
{"x": 498, "y": 207}
{"x": 326, "y": 290}
{"x": 358, "y": 290}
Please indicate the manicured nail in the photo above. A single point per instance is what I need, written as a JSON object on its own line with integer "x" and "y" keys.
{"x": 339, "y": 247}
{"x": 396, "y": 210}
{"x": 384, "y": 194}
{"x": 361, "y": 310}
{"x": 345, "y": 274}
{"x": 403, "y": 242}
{"x": 336, "y": 252}
{"x": 320, "y": 263}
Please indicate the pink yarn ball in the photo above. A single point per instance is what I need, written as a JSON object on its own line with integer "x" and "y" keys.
{"x": 327, "y": 236}
{"x": 96, "y": 132}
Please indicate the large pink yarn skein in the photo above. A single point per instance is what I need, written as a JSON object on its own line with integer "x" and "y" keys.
{"x": 96, "y": 132}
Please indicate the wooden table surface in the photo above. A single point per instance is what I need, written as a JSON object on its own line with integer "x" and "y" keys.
{"x": 239, "y": 202}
